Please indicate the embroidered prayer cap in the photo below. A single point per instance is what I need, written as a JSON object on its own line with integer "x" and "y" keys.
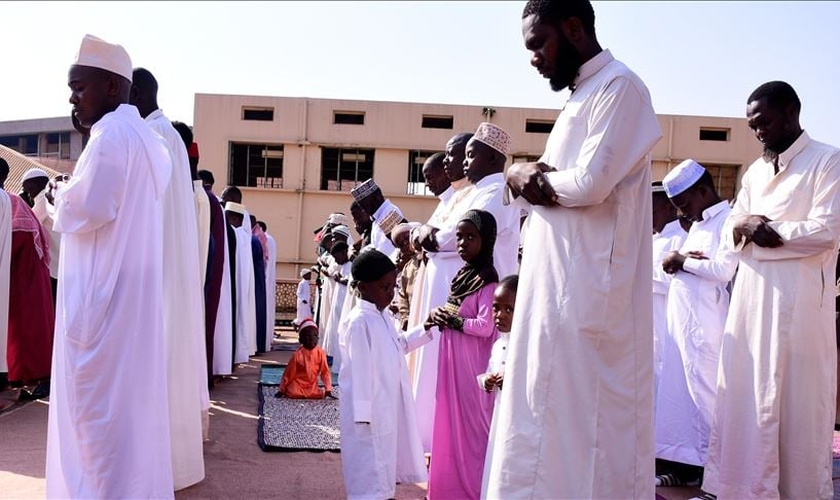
{"x": 493, "y": 136}
{"x": 682, "y": 177}
{"x": 34, "y": 173}
{"x": 344, "y": 230}
{"x": 338, "y": 219}
{"x": 371, "y": 265}
{"x": 389, "y": 221}
{"x": 364, "y": 190}
{"x": 305, "y": 271}
{"x": 97, "y": 53}
{"x": 307, "y": 323}
{"x": 657, "y": 187}
{"x": 235, "y": 207}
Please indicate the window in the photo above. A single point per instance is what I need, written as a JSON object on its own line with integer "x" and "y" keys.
{"x": 257, "y": 114}
{"x": 726, "y": 179}
{"x": 416, "y": 181}
{"x": 349, "y": 117}
{"x": 526, "y": 159}
{"x": 24, "y": 144}
{"x": 436, "y": 121}
{"x": 342, "y": 169}
{"x": 58, "y": 144}
{"x": 256, "y": 165}
{"x": 539, "y": 126}
{"x": 714, "y": 134}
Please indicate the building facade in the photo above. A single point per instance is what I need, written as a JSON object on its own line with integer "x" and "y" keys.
{"x": 53, "y": 142}
{"x": 296, "y": 159}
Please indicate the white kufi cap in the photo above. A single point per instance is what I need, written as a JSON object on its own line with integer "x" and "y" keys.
{"x": 682, "y": 177}
{"x": 235, "y": 207}
{"x": 493, "y": 136}
{"x": 34, "y": 173}
{"x": 98, "y": 53}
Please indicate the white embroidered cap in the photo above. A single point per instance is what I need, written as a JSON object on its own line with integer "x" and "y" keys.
{"x": 305, "y": 271}
{"x": 338, "y": 219}
{"x": 235, "y": 207}
{"x": 341, "y": 230}
{"x": 682, "y": 177}
{"x": 33, "y": 173}
{"x": 493, "y": 136}
{"x": 364, "y": 190}
{"x": 306, "y": 324}
{"x": 97, "y": 53}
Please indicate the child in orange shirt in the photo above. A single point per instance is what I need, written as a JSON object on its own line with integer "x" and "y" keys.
{"x": 300, "y": 379}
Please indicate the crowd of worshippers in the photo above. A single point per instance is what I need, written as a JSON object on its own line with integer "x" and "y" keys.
{"x": 528, "y": 339}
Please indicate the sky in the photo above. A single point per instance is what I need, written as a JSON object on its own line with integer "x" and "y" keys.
{"x": 697, "y": 58}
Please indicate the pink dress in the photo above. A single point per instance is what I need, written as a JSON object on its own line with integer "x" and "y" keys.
{"x": 462, "y": 410}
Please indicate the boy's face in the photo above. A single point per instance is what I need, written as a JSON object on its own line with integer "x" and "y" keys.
{"x": 381, "y": 291}
{"x": 340, "y": 256}
{"x": 478, "y": 161}
{"x": 503, "y": 301}
{"x": 308, "y": 337}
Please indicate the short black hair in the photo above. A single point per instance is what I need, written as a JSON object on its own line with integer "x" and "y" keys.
{"x": 4, "y": 169}
{"x": 510, "y": 282}
{"x": 777, "y": 94}
{"x": 555, "y": 11}
{"x": 185, "y": 132}
{"x": 262, "y": 225}
{"x": 206, "y": 176}
{"x": 339, "y": 246}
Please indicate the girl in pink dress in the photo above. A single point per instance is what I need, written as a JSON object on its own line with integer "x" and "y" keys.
{"x": 462, "y": 410}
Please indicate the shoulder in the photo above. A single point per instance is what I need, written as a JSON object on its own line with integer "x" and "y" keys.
{"x": 617, "y": 76}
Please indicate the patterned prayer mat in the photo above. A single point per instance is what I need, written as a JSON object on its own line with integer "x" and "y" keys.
{"x": 295, "y": 424}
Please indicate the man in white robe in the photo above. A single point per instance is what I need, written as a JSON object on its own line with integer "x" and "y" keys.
{"x": 35, "y": 183}
{"x": 383, "y": 212}
{"x": 246, "y": 319}
{"x": 108, "y": 432}
{"x": 223, "y": 334}
{"x": 5, "y": 270}
{"x": 772, "y": 430}
{"x": 270, "y": 287}
{"x": 668, "y": 235}
{"x": 577, "y": 408}
{"x": 697, "y": 304}
{"x": 304, "y": 297}
{"x": 183, "y": 300}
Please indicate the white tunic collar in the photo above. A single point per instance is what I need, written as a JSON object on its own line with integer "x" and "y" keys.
{"x": 715, "y": 209}
{"x": 790, "y": 153}
{"x": 593, "y": 66}
{"x": 490, "y": 180}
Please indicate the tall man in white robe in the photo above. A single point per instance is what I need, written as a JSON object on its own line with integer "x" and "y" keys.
{"x": 183, "y": 300}
{"x": 384, "y": 214}
{"x": 668, "y": 235}
{"x": 246, "y": 319}
{"x": 577, "y": 410}
{"x": 440, "y": 268}
{"x": 697, "y": 304}
{"x": 270, "y": 286}
{"x": 108, "y": 432}
{"x": 5, "y": 270}
{"x": 772, "y": 429}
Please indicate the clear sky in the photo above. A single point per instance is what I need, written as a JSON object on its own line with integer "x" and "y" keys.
{"x": 697, "y": 58}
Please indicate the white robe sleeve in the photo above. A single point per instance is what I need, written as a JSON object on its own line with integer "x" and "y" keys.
{"x": 361, "y": 368}
{"x": 91, "y": 200}
{"x": 621, "y": 132}
{"x": 417, "y": 336}
{"x": 820, "y": 231}
{"x": 721, "y": 268}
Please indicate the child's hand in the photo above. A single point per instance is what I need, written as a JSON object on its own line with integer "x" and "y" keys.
{"x": 439, "y": 317}
{"x": 279, "y": 395}
{"x": 328, "y": 394}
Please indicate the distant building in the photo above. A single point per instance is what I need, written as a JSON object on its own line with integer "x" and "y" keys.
{"x": 18, "y": 165}
{"x": 51, "y": 141}
{"x": 296, "y": 159}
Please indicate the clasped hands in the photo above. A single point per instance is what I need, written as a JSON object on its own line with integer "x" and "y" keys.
{"x": 492, "y": 381}
{"x": 755, "y": 229}
{"x": 440, "y": 318}
{"x": 674, "y": 261}
{"x": 529, "y": 181}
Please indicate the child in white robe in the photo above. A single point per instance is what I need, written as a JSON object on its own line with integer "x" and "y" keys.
{"x": 504, "y": 300}
{"x": 340, "y": 277}
{"x": 380, "y": 444}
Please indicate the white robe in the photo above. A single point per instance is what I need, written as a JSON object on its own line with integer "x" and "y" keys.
{"x": 108, "y": 431}
{"x": 379, "y": 441}
{"x": 5, "y": 274}
{"x": 441, "y": 267}
{"x": 698, "y": 301}
{"x": 223, "y": 336}
{"x": 246, "y": 305}
{"x": 577, "y": 410}
{"x": 670, "y": 239}
{"x": 183, "y": 312}
{"x": 270, "y": 291}
{"x": 202, "y": 207}
{"x": 304, "y": 301}
{"x": 46, "y": 219}
{"x": 337, "y": 313}
{"x": 496, "y": 365}
{"x": 327, "y": 265}
{"x": 378, "y": 238}
{"x": 772, "y": 429}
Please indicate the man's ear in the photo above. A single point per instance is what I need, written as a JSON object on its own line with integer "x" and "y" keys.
{"x": 572, "y": 28}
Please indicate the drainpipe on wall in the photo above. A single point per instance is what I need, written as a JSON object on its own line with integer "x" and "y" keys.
{"x": 301, "y": 184}
{"x": 670, "y": 144}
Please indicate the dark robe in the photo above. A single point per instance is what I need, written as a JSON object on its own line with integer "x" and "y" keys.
{"x": 259, "y": 291}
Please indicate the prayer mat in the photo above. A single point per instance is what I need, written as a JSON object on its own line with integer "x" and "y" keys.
{"x": 297, "y": 424}
{"x": 272, "y": 374}
{"x": 285, "y": 346}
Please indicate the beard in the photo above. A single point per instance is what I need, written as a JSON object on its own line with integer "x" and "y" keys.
{"x": 566, "y": 65}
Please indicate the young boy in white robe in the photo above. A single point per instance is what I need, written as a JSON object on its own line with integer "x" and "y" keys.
{"x": 304, "y": 307}
{"x": 380, "y": 445}
{"x": 504, "y": 301}
{"x": 340, "y": 277}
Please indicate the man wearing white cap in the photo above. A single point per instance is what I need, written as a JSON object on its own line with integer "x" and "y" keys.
{"x": 304, "y": 296}
{"x": 246, "y": 299}
{"x": 698, "y": 301}
{"x": 577, "y": 409}
{"x": 35, "y": 183}
{"x": 383, "y": 212}
{"x": 183, "y": 304}
{"x": 108, "y": 433}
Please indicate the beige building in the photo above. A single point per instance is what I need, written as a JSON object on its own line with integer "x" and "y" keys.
{"x": 296, "y": 159}
{"x": 53, "y": 142}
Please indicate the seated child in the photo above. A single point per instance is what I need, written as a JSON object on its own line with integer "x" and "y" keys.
{"x": 504, "y": 299}
{"x": 380, "y": 444}
{"x": 300, "y": 380}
